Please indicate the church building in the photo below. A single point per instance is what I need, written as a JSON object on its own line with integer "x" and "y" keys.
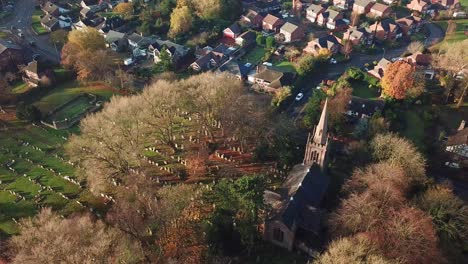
{"x": 295, "y": 216}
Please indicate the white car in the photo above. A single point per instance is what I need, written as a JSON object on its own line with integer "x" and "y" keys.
{"x": 333, "y": 61}
{"x": 299, "y": 96}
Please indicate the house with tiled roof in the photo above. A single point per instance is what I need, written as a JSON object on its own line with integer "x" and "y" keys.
{"x": 313, "y": 11}
{"x": 420, "y": 6}
{"x": 291, "y": 32}
{"x": 386, "y": 29}
{"x": 379, "y": 69}
{"x": 362, "y": 6}
{"x": 232, "y": 32}
{"x": 235, "y": 68}
{"x": 50, "y": 8}
{"x": 409, "y": 24}
{"x": 272, "y": 23}
{"x": 359, "y": 108}
{"x": 328, "y": 42}
{"x": 11, "y": 55}
{"x": 357, "y": 36}
{"x": 33, "y": 74}
{"x": 457, "y": 146}
{"x": 269, "y": 79}
{"x": 212, "y": 59}
{"x": 176, "y": 52}
{"x": 330, "y": 19}
{"x": 50, "y": 23}
{"x": 246, "y": 38}
{"x": 252, "y": 19}
{"x": 379, "y": 10}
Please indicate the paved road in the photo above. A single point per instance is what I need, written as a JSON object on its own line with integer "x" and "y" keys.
{"x": 21, "y": 19}
{"x": 435, "y": 34}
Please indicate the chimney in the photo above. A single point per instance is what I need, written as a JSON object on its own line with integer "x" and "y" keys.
{"x": 462, "y": 125}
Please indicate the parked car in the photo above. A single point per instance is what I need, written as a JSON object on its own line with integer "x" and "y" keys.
{"x": 333, "y": 61}
{"x": 299, "y": 96}
{"x": 128, "y": 61}
{"x": 21, "y": 35}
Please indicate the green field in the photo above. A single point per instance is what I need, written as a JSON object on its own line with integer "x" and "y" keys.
{"x": 254, "y": 56}
{"x": 64, "y": 93}
{"x": 458, "y": 33}
{"x": 361, "y": 88}
{"x": 286, "y": 66}
{"x": 72, "y": 109}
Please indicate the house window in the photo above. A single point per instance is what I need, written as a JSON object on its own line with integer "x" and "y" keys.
{"x": 278, "y": 235}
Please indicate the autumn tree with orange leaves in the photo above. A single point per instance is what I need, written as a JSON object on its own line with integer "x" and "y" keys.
{"x": 400, "y": 81}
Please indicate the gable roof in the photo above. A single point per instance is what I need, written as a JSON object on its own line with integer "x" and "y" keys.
{"x": 50, "y": 7}
{"x": 252, "y": 14}
{"x": 289, "y": 27}
{"x": 315, "y": 8}
{"x": 171, "y": 46}
{"x": 363, "y": 3}
{"x": 234, "y": 28}
{"x": 5, "y": 45}
{"x": 365, "y": 106}
{"x": 271, "y": 19}
{"x": 248, "y": 35}
{"x": 380, "y": 7}
{"x": 112, "y": 36}
{"x": 354, "y": 33}
{"x": 49, "y": 21}
{"x": 306, "y": 186}
{"x": 459, "y": 138}
{"x": 234, "y": 67}
{"x": 326, "y": 41}
{"x": 32, "y": 67}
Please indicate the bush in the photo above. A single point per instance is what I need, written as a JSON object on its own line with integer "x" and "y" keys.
{"x": 355, "y": 73}
{"x": 28, "y": 112}
{"x": 306, "y": 65}
{"x": 270, "y": 42}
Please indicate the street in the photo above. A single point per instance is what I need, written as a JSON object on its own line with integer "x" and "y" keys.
{"x": 435, "y": 35}
{"x": 21, "y": 19}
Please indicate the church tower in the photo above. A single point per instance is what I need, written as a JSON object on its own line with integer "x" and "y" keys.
{"x": 317, "y": 143}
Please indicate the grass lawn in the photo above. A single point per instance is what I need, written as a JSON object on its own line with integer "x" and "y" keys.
{"x": 36, "y": 23}
{"x": 254, "y": 56}
{"x": 20, "y": 88}
{"x": 454, "y": 33}
{"x": 420, "y": 36}
{"x": 65, "y": 92}
{"x": 414, "y": 129}
{"x": 286, "y": 65}
{"x": 361, "y": 88}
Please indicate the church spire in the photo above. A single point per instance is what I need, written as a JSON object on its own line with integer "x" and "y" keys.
{"x": 321, "y": 131}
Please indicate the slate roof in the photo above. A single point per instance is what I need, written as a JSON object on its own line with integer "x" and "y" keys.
{"x": 113, "y": 36}
{"x": 362, "y": 3}
{"x": 306, "y": 187}
{"x": 5, "y": 45}
{"x": 235, "y": 67}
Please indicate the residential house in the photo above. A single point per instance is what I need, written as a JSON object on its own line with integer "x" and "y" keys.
{"x": 272, "y": 23}
{"x": 50, "y": 23}
{"x": 328, "y": 42}
{"x": 175, "y": 51}
{"x": 88, "y": 22}
{"x": 386, "y": 30}
{"x": 420, "y": 6}
{"x": 357, "y": 36}
{"x": 246, "y": 38}
{"x": 457, "y": 146}
{"x": 212, "y": 59}
{"x": 359, "y": 108}
{"x": 362, "y": 6}
{"x": 237, "y": 69}
{"x": 50, "y": 8}
{"x": 422, "y": 62}
{"x": 455, "y": 4}
{"x": 33, "y": 74}
{"x": 110, "y": 23}
{"x": 343, "y": 4}
{"x": 139, "y": 44}
{"x": 291, "y": 32}
{"x": 295, "y": 215}
{"x": 269, "y": 79}
{"x": 313, "y": 11}
{"x": 116, "y": 41}
{"x": 232, "y": 32}
{"x": 329, "y": 19}
{"x": 11, "y": 55}
{"x": 409, "y": 24}
{"x": 379, "y": 69}
{"x": 379, "y": 10}
{"x": 252, "y": 19}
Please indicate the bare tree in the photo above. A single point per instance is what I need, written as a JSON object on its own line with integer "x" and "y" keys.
{"x": 48, "y": 238}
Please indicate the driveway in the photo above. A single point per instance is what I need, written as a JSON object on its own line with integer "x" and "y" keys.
{"x": 21, "y": 19}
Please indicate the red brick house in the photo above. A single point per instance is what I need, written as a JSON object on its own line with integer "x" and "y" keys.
{"x": 272, "y": 23}
{"x": 232, "y": 32}
{"x": 418, "y": 5}
{"x": 357, "y": 36}
{"x": 379, "y": 10}
{"x": 313, "y": 11}
{"x": 386, "y": 30}
{"x": 409, "y": 24}
{"x": 328, "y": 42}
{"x": 252, "y": 19}
{"x": 362, "y": 6}
{"x": 291, "y": 32}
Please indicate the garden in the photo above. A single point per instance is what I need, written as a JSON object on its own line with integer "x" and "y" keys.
{"x": 36, "y": 23}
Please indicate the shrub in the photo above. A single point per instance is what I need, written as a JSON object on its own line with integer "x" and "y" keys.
{"x": 28, "y": 112}
{"x": 355, "y": 73}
